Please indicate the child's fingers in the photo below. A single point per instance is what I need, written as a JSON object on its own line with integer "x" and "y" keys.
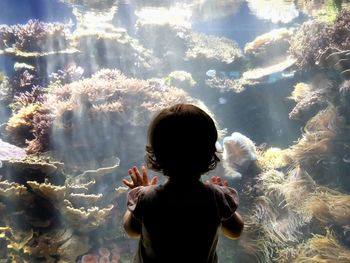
{"x": 154, "y": 180}
{"x": 137, "y": 175}
{"x": 144, "y": 175}
{"x": 218, "y": 181}
{"x": 128, "y": 184}
{"x": 213, "y": 179}
{"x": 225, "y": 183}
{"x": 132, "y": 176}
{"x": 207, "y": 182}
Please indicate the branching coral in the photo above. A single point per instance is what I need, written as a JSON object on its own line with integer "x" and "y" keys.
{"x": 90, "y": 115}
{"x": 34, "y": 36}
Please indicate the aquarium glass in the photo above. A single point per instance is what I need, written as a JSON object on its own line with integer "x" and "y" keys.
{"x": 80, "y": 81}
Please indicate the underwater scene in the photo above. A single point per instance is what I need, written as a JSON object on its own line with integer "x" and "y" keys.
{"x": 81, "y": 79}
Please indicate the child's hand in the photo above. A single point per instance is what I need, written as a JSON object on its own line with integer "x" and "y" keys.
{"x": 217, "y": 180}
{"x": 139, "y": 180}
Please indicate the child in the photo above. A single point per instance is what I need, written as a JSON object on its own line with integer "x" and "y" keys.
{"x": 179, "y": 220}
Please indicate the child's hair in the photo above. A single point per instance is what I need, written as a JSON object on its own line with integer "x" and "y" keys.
{"x": 181, "y": 141}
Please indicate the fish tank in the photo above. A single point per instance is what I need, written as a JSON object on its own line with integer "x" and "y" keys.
{"x": 81, "y": 79}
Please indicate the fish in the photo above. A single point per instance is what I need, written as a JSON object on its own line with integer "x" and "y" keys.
{"x": 346, "y": 158}
{"x": 211, "y": 73}
{"x": 222, "y": 100}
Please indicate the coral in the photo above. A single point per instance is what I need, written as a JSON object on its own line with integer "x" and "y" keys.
{"x": 55, "y": 194}
{"x": 315, "y": 37}
{"x": 227, "y": 84}
{"x": 106, "y": 47}
{"x": 73, "y": 247}
{"x": 274, "y": 10}
{"x": 14, "y": 192}
{"x": 341, "y": 30}
{"x": 5, "y": 90}
{"x": 270, "y": 45}
{"x": 213, "y": 52}
{"x": 239, "y": 153}
{"x": 35, "y": 36}
{"x": 37, "y": 165}
{"x": 261, "y": 73}
{"x": 181, "y": 79}
{"x": 164, "y": 30}
{"x": 85, "y": 220}
{"x": 92, "y": 4}
{"x": 309, "y": 41}
{"x": 90, "y": 115}
{"x": 322, "y": 249}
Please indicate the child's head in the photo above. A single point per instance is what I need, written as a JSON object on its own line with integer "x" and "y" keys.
{"x": 181, "y": 142}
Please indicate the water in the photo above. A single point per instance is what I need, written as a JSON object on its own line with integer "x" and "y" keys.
{"x": 80, "y": 81}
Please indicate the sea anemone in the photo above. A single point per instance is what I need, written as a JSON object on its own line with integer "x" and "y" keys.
{"x": 239, "y": 153}
{"x": 322, "y": 249}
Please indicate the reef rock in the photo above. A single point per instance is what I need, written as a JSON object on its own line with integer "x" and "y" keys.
{"x": 269, "y": 46}
{"x": 9, "y": 151}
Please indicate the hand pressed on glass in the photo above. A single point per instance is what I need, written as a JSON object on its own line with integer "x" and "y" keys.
{"x": 139, "y": 180}
{"x": 217, "y": 180}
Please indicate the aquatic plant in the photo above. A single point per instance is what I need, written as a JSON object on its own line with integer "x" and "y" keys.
{"x": 35, "y": 36}
{"x": 321, "y": 248}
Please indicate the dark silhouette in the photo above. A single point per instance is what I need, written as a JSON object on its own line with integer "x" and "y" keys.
{"x": 179, "y": 220}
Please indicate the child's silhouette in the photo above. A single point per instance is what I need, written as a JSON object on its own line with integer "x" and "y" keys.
{"x": 179, "y": 220}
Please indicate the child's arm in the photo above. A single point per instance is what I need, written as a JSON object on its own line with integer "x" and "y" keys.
{"x": 233, "y": 227}
{"x": 131, "y": 225}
